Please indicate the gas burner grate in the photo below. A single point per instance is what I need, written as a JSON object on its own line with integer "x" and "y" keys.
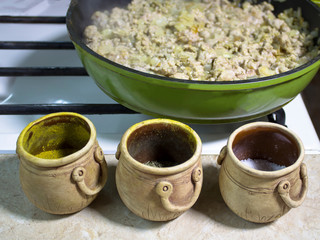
{"x": 35, "y": 109}
{"x": 42, "y": 71}
{"x": 278, "y": 117}
{"x": 28, "y": 109}
{"x": 33, "y": 19}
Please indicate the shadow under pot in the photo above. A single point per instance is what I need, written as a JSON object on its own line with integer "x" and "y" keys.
{"x": 159, "y": 174}
{"x": 62, "y": 167}
{"x": 262, "y": 175}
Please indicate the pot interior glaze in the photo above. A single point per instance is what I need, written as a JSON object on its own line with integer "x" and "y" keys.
{"x": 266, "y": 144}
{"x": 56, "y": 137}
{"x": 166, "y": 144}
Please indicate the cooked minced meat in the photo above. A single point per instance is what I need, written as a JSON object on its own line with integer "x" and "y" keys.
{"x": 213, "y": 40}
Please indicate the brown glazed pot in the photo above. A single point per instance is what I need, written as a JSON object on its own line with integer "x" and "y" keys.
{"x": 159, "y": 193}
{"x": 62, "y": 167}
{"x": 256, "y": 195}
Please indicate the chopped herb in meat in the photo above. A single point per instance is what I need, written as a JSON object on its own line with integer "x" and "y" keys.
{"x": 213, "y": 40}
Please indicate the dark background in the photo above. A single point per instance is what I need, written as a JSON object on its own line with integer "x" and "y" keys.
{"x": 311, "y": 97}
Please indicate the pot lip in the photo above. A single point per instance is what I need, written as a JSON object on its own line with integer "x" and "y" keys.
{"x": 41, "y": 162}
{"x": 261, "y": 173}
{"x": 165, "y": 170}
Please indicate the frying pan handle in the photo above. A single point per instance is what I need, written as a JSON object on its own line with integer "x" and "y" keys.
{"x": 79, "y": 173}
{"x": 284, "y": 189}
{"x": 164, "y": 189}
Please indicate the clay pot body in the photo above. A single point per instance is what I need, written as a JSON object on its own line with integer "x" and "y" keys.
{"x": 62, "y": 167}
{"x": 159, "y": 193}
{"x": 257, "y": 195}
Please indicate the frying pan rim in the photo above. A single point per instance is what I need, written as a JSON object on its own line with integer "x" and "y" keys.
{"x": 78, "y": 40}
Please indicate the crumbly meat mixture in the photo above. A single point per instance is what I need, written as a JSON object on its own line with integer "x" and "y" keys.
{"x": 213, "y": 40}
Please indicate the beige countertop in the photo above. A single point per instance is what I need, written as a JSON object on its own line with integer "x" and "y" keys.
{"x": 108, "y": 218}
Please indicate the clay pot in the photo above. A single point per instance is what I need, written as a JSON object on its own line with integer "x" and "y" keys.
{"x": 62, "y": 167}
{"x": 165, "y": 192}
{"x": 257, "y": 195}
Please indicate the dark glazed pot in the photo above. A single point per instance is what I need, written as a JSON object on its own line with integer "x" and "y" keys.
{"x": 259, "y": 195}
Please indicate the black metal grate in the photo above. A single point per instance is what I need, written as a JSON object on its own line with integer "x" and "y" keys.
{"x": 30, "y": 109}
{"x": 26, "y": 109}
{"x": 30, "y": 19}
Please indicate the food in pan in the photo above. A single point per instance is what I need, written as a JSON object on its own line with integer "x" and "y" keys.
{"x": 212, "y": 40}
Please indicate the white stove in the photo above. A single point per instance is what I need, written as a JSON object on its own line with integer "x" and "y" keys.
{"x": 64, "y": 90}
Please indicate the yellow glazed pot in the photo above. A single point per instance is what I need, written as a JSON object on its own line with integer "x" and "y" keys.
{"x": 159, "y": 174}
{"x": 258, "y": 195}
{"x": 62, "y": 167}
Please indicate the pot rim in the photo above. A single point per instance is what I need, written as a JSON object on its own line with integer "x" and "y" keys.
{"x": 261, "y": 173}
{"x": 41, "y": 162}
{"x": 163, "y": 170}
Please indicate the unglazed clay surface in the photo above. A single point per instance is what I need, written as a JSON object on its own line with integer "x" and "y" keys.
{"x": 107, "y": 217}
{"x": 159, "y": 194}
{"x": 53, "y": 178}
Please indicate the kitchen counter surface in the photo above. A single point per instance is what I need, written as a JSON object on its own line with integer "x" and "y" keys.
{"x": 108, "y": 218}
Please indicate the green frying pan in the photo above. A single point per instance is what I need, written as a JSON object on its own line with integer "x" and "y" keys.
{"x": 185, "y": 100}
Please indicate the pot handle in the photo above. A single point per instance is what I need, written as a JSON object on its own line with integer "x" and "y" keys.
{"x": 164, "y": 189}
{"x": 222, "y": 155}
{"x": 284, "y": 189}
{"x": 79, "y": 173}
{"x": 118, "y": 153}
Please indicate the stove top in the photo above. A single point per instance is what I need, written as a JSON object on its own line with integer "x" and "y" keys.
{"x": 82, "y": 89}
